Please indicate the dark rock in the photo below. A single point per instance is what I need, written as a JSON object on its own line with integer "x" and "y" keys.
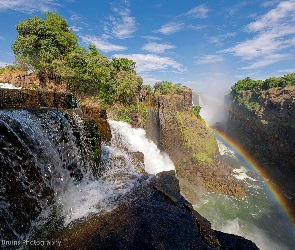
{"x": 153, "y": 216}
{"x": 24, "y": 98}
{"x": 268, "y": 133}
{"x": 233, "y": 242}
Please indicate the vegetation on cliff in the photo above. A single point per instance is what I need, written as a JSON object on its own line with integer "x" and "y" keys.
{"x": 258, "y": 85}
{"x": 247, "y": 92}
{"x": 49, "y": 48}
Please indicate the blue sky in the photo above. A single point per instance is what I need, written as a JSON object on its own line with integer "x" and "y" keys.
{"x": 205, "y": 45}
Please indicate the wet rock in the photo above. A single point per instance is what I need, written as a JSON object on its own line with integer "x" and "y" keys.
{"x": 252, "y": 175}
{"x": 153, "y": 216}
{"x": 23, "y": 98}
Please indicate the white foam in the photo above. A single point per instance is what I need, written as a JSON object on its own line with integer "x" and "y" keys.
{"x": 255, "y": 234}
{"x": 6, "y": 85}
{"x": 224, "y": 150}
{"x": 119, "y": 174}
{"x": 232, "y": 227}
{"x": 155, "y": 161}
{"x": 241, "y": 173}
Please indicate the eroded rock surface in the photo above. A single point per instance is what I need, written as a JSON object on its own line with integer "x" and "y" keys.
{"x": 153, "y": 216}
{"x": 191, "y": 146}
{"x": 268, "y": 133}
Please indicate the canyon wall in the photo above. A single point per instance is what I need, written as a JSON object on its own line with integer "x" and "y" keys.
{"x": 265, "y": 125}
{"x": 154, "y": 215}
{"x": 190, "y": 143}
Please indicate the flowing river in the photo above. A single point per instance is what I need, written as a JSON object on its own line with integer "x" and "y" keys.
{"x": 258, "y": 217}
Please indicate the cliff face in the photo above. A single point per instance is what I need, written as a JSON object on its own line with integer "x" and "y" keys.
{"x": 152, "y": 216}
{"x": 265, "y": 125}
{"x": 190, "y": 144}
{"x": 32, "y": 81}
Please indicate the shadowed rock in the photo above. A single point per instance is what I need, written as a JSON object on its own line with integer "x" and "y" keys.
{"x": 153, "y": 216}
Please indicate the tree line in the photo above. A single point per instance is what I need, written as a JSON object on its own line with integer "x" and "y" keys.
{"x": 258, "y": 85}
{"x": 49, "y": 48}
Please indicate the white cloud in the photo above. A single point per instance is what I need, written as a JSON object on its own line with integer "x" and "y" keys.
{"x": 198, "y": 12}
{"x": 3, "y": 64}
{"x": 152, "y": 37}
{"x": 101, "y": 44}
{"x": 265, "y": 61}
{"x": 75, "y": 28}
{"x": 75, "y": 17}
{"x": 218, "y": 39}
{"x": 28, "y": 6}
{"x": 149, "y": 62}
{"x": 284, "y": 12}
{"x": 147, "y": 80}
{"x": 157, "y": 47}
{"x": 124, "y": 25}
{"x": 287, "y": 71}
{"x": 170, "y": 28}
{"x": 270, "y": 3}
{"x": 275, "y": 32}
{"x": 208, "y": 59}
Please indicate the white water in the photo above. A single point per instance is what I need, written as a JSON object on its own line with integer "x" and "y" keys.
{"x": 57, "y": 148}
{"x": 6, "y": 85}
{"x": 257, "y": 217}
{"x": 120, "y": 173}
{"x": 155, "y": 161}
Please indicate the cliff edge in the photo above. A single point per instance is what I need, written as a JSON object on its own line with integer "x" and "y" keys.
{"x": 265, "y": 125}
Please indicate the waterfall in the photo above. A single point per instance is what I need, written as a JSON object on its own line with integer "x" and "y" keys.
{"x": 155, "y": 161}
{"x": 46, "y": 163}
{"x": 201, "y": 104}
{"x": 39, "y": 157}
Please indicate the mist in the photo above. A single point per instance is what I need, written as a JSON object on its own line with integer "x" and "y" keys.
{"x": 213, "y": 108}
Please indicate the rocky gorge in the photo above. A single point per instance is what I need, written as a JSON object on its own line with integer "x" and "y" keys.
{"x": 157, "y": 209}
{"x": 264, "y": 124}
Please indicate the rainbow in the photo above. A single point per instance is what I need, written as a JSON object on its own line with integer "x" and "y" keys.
{"x": 278, "y": 195}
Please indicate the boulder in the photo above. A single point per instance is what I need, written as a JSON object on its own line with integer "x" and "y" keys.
{"x": 153, "y": 216}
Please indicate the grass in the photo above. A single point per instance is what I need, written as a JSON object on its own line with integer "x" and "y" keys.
{"x": 197, "y": 138}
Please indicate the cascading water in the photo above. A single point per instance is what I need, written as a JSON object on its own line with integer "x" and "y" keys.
{"x": 39, "y": 158}
{"x": 257, "y": 217}
{"x": 47, "y": 169}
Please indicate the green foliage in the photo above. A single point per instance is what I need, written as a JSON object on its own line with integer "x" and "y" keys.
{"x": 41, "y": 42}
{"x": 197, "y": 138}
{"x": 90, "y": 72}
{"x": 49, "y": 47}
{"x": 247, "y": 91}
{"x": 9, "y": 68}
{"x": 125, "y": 64}
{"x": 196, "y": 111}
{"x": 147, "y": 87}
{"x": 125, "y": 113}
{"x": 165, "y": 87}
{"x": 126, "y": 85}
{"x": 259, "y": 85}
{"x": 203, "y": 158}
{"x": 92, "y": 129}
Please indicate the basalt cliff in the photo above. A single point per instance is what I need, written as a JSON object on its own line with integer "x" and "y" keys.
{"x": 156, "y": 214}
{"x": 264, "y": 124}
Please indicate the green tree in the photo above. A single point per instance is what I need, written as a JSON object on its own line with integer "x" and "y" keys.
{"x": 90, "y": 71}
{"x": 123, "y": 64}
{"x": 287, "y": 80}
{"x": 271, "y": 82}
{"x": 126, "y": 86}
{"x": 165, "y": 87}
{"x": 50, "y": 48}
{"x": 41, "y": 43}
